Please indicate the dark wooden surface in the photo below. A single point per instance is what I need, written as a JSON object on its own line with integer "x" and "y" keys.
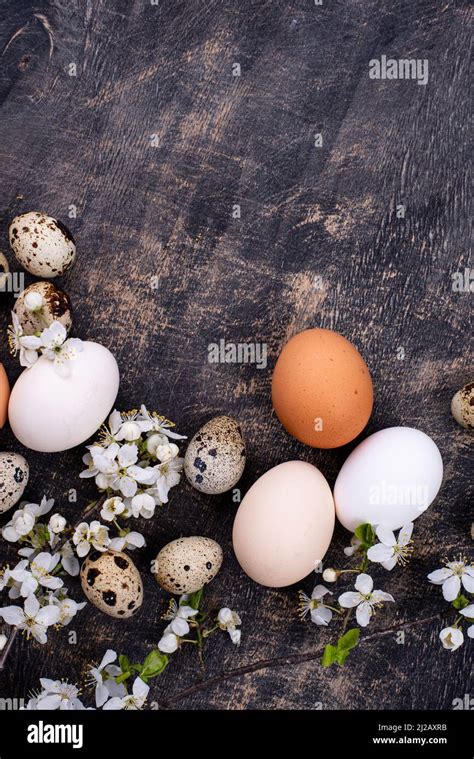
{"x": 166, "y": 211}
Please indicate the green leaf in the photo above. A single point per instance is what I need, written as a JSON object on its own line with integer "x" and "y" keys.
{"x": 341, "y": 657}
{"x": 460, "y": 602}
{"x": 366, "y": 534}
{"x": 154, "y": 664}
{"x": 124, "y": 663}
{"x": 349, "y": 640}
{"x": 329, "y": 655}
{"x": 194, "y": 599}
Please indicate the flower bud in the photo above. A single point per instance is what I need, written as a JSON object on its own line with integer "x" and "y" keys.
{"x": 329, "y": 575}
{"x": 33, "y": 301}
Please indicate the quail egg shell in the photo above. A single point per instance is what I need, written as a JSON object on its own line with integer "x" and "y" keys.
{"x": 41, "y": 304}
{"x": 111, "y": 582}
{"x": 4, "y": 270}
{"x": 42, "y": 245}
{"x": 462, "y": 406}
{"x": 215, "y": 458}
{"x": 14, "y": 473}
{"x": 187, "y": 564}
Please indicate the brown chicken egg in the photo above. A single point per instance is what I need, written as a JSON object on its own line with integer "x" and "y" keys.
{"x": 321, "y": 389}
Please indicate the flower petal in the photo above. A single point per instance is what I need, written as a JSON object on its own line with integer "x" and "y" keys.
{"x": 404, "y": 536}
{"x": 451, "y": 588}
{"x": 440, "y": 575}
{"x": 380, "y": 552}
{"x": 364, "y": 613}
{"x": 364, "y": 584}
{"x": 349, "y": 600}
{"x": 385, "y": 535}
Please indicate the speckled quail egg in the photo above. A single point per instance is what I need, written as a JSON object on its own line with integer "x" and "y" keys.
{"x": 462, "y": 406}
{"x": 4, "y": 269}
{"x": 14, "y": 473}
{"x": 215, "y": 458}
{"x": 41, "y": 304}
{"x": 187, "y": 564}
{"x": 42, "y": 245}
{"x": 111, "y": 581}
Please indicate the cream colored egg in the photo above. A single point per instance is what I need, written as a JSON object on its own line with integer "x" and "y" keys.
{"x": 51, "y": 413}
{"x": 39, "y": 305}
{"x": 284, "y": 524}
{"x": 111, "y": 582}
{"x": 44, "y": 246}
{"x": 187, "y": 564}
{"x": 14, "y": 473}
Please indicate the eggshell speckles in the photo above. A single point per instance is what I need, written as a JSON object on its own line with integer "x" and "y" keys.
{"x": 4, "y": 269}
{"x": 187, "y": 564}
{"x": 215, "y": 458}
{"x": 56, "y": 307}
{"x": 462, "y": 406}
{"x": 321, "y": 389}
{"x": 4, "y": 396}
{"x": 112, "y": 583}
{"x": 42, "y": 245}
{"x": 14, "y": 473}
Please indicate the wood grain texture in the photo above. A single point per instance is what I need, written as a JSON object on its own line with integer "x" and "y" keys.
{"x": 165, "y": 211}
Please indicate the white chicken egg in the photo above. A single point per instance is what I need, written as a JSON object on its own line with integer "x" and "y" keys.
{"x": 389, "y": 479}
{"x": 51, "y": 413}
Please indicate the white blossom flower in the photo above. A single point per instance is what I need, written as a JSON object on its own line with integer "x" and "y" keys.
{"x": 451, "y": 638}
{"x": 452, "y": 576}
{"x": 112, "y": 508}
{"x": 468, "y": 612}
{"x": 27, "y": 345}
{"x": 33, "y": 301}
{"x": 178, "y": 627}
{"x": 57, "y": 348}
{"x": 130, "y": 430}
{"x": 355, "y": 543}
{"x": 20, "y": 525}
{"x": 68, "y": 608}
{"x": 228, "y": 620}
{"x": 320, "y": 614}
{"x": 129, "y": 542}
{"x": 168, "y": 475}
{"x": 166, "y": 452}
{"x": 136, "y": 700}
{"x": 128, "y": 474}
{"x": 391, "y": 550}
{"x": 59, "y": 694}
{"x": 158, "y": 424}
{"x": 143, "y": 505}
{"x": 33, "y": 619}
{"x": 95, "y": 534}
{"x": 69, "y": 561}
{"x": 154, "y": 441}
{"x": 365, "y": 599}
{"x": 57, "y": 523}
{"x": 103, "y": 677}
{"x": 37, "y": 572}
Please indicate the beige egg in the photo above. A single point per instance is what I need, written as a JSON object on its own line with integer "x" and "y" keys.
{"x": 215, "y": 458}
{"x": 49, "y": 304}
{"x": 14, "y": 473}
{"x": 187, "y": 564}
{"x": 112, "y": 582}
{"x": 462, "y": 406}
{"x": 42, "y": 245}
